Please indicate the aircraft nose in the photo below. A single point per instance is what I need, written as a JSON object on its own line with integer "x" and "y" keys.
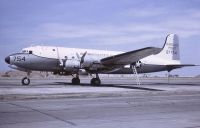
{"x": 7, "y": 59}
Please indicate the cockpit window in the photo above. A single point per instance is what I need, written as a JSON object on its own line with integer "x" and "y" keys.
{"x": 30, "y": 52}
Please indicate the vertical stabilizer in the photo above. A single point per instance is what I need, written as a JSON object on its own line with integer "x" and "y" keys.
{"x": 170, "y": 50}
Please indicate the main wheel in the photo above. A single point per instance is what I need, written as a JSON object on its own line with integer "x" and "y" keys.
{"x": 25, "y": 81}
{"x": 75, "y": 81}
{"x": 95, "y": 81}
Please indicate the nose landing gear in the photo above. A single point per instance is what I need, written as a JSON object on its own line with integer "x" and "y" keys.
{"x": 26, "y": 80}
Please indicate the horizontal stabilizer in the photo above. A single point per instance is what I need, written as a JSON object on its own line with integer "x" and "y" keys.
{"x": 171, "y": 67}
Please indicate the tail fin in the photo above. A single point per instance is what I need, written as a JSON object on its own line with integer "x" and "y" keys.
{"x": 170, "y": 50}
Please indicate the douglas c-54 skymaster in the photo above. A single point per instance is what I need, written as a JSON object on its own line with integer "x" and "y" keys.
{"x": 69, "y": 61}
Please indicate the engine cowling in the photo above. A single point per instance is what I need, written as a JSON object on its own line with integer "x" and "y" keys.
{"x": 72, "y": 65}
{"x": 89, "y": 61}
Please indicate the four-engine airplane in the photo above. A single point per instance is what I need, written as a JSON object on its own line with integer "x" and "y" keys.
{"x": 69, "y": 61}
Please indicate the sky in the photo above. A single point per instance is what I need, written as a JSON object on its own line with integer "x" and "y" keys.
{"x": 120, "y": 25}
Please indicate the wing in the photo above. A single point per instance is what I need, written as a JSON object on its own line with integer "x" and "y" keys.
{"x": 129, "y": 57}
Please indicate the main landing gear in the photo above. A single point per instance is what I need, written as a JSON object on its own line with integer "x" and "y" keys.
{"x": 95, "y": 81}
{"x": 26, "y": 80}
{"x": 76, "y": 80}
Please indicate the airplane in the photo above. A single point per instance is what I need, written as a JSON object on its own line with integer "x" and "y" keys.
{"x": 70, "y": 61}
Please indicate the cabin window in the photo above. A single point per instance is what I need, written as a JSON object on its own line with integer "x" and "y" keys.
{"x": 30, "y": 52}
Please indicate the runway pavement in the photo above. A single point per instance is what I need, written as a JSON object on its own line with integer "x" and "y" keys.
{"x": 11, "y": 88}
{"x": 118, "y": 103}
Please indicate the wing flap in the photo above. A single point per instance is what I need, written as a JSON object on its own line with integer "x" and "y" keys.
{"x": 130, "y": 57}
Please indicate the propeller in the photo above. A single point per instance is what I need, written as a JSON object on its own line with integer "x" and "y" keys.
{"x": 81, "y": 58}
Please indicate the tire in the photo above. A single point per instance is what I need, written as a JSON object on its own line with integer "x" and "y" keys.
{"x": 75, "y": 81}
{"x": 95, "y": 81}
{"x": 25, "y": 81}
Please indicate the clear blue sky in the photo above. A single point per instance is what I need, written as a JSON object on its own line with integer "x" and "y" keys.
{"x": 122, "y": 25}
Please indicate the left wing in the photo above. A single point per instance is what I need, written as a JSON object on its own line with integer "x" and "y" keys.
{"x": 129, "y": 57}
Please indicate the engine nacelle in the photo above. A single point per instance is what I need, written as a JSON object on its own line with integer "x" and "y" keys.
{"x": 72, "y": 65}
{"x": 89, "y": 61}
{"x": 87, "y": 64}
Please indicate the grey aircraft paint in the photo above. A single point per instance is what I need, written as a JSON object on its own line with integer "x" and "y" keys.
{"x": 34, "y": 62}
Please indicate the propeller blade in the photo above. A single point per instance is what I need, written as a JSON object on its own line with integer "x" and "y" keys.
{"x": 82, "y": 58}
{"x": 78, "y": 56}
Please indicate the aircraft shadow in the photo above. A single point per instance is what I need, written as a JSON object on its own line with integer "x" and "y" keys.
{"x": 112, "y": 85}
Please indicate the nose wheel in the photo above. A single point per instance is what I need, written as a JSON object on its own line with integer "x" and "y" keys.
{"x": 25, "y": 81}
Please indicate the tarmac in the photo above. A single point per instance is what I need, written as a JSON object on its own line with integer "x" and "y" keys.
{"x": 117, "y": 103}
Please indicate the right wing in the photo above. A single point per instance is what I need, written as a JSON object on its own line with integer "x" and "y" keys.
{"x": 129, "y": 57}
